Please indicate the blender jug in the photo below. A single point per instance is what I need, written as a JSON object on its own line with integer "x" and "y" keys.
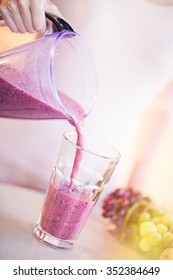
{"x": 50, "y": 78}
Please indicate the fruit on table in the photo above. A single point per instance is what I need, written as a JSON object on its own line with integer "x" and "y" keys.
{"x": 139, "y": 222}
{"x": 146, "y": 228}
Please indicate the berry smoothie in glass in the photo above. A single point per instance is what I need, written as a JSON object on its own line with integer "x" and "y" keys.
{"x": 78, "y": 178}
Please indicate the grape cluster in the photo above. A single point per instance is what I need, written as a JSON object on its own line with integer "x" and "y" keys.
{"x": 117, "y": 204}
{"x": 138, "y": 221}
{"x": 155, "y": 230}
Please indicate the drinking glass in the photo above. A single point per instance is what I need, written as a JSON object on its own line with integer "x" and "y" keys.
{"x": 78, "y": 178}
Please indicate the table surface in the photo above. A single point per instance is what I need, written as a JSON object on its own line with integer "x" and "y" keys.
{"x": 19, "y": 209}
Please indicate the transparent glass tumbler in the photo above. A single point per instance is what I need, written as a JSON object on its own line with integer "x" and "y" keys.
{"x": 70, "y": 199}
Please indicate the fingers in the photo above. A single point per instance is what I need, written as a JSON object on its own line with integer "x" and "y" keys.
{"x": 38, "y": 15}
{"x": 27, "y": 15}
{"x": 16, "y": 16}
{"x": 24, "y": 15}
{"x": 6, "y": 14}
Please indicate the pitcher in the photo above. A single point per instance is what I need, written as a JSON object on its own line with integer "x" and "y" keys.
{"x": 50, "y": 78}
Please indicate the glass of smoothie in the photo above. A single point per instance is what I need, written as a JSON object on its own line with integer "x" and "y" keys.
{"x": 82, "y": 170}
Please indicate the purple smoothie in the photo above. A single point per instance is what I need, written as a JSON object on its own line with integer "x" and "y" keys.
{"x": 65, "y": 211}
{"x": 26, "y": 101}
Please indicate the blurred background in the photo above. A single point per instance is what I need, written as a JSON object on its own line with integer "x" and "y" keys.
{"x": 132, "y": 44}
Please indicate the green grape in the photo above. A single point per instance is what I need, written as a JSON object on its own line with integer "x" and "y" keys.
{"x": 167, "y": 239}
{"x": 167, "y": 220}
{"x": 156, "y": 220}
{"x": 158, "y": 212}
{"x": 145, "y": 245}
{"x": 161, "y": 228}
{"x": 155, "y": 238}
{"x": 146, "y": 216}
{"x": 146, "y": 228}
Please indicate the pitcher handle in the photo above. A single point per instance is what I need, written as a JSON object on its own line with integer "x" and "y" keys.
{"x": 58, "y": 24}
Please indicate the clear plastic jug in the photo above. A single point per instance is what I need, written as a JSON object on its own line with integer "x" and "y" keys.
{"x": 50, "y": 78}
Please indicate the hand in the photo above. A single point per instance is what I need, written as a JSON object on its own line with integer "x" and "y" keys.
{"x": 27, "y": 15}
